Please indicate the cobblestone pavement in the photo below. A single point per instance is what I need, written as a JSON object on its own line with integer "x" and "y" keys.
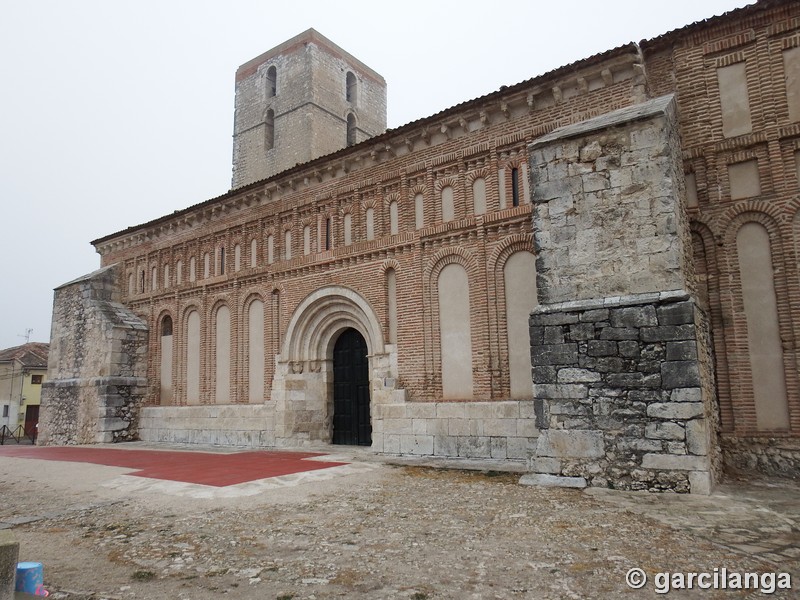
{"x": 374, "y": 530}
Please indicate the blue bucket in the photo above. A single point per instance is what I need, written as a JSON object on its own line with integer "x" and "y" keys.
{"x": 30, "y": 578}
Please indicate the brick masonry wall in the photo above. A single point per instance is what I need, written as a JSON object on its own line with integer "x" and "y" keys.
{"x": 686, "y": 63}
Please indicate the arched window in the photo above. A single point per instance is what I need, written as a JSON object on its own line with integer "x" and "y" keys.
{"x": 221, "y": 261}
{"x": 328, "y": 241}
{"x": 166, "y": 361}
{"x": 455, "y": 333}
{"x": 419, "y": 211}
{"x": 479, "y": 196}
{"x": 223, "y": 355}
{"x": 154, "y": 278}
{"x": 166, "y": 276}
{"x": 237, "y": 257}
{"x": 253, "y": 252}
{"x": 269, "y": 130}
{"x": 255, "y": 351}
{"x": 206, "y": 266}
{"x": 193, "y": 358}
{"x": 763, "y": 328}
{"x": 287, "y": 244}
{"x": 391, "y": 298}
{"x": 270, "y": 249}
{"x": 272, "y": 82}
{"x": 141, "y": 282}
{"x": 351, "y": 129}
{"x": 307, "y": 240}
{"x": 515, "y": 186}
{"x": 179, "y": 272}
{"x": 370, "y": 223}
{"x": 351, "y": 91}
{"x": 192, "y": 269}
{"x": 394, "y": 226}
{"x": 448, "y": 204}
{"x": 519, "y": 275}
{"x": 131, "y": 284}
{"x": 348, "y": 229}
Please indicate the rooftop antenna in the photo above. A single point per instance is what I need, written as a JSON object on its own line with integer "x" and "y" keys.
{"x": 27, "y": 335}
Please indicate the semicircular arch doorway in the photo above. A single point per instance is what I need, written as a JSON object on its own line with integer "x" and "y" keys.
{"x": 351, "y": 415}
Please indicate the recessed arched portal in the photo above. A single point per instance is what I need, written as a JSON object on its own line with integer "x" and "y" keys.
{"x": 351, "y": 414}
{"x": 305, "y": 380}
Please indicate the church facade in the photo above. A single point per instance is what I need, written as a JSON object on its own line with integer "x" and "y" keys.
{"x": 372, "y": 287}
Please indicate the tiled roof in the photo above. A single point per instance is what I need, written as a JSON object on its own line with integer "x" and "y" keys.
{"x": 32, "y": 354}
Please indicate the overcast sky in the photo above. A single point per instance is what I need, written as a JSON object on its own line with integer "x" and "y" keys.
{"x": 113, "y": 113}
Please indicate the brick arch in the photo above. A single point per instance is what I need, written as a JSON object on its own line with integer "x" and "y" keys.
{"x": 321, "y": 316}
{"x": 450, "y": 255}
{"x": 733, "y": 307}
{"x": 760, "y": 209}
{"x": 704, "y": 233}
{"x": 416, "y": 189}
{"x": 389, "y": 263}
{"x": 444, "y": 182}
{"x": 481, "y": 173}
{"x": 508, "y": 246}
{"x": 441, "y": 259}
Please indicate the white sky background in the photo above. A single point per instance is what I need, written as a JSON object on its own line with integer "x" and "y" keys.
{"x": 114, "y": 113}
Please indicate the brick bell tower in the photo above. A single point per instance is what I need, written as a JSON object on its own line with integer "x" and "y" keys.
{"x": 301, "y": 100}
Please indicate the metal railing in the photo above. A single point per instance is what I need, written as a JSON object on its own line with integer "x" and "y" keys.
{"x": 17, "y": 436}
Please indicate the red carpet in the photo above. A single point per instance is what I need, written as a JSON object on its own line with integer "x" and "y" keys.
{"x": 205, "y": 468}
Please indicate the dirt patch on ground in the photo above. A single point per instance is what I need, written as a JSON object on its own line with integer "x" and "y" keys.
{"x": 394, "y": 532}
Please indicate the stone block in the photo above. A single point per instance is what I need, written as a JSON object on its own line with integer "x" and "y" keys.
{"x": 543, "y": 480}
{"x": 456, "y": 427}
{"x": 394, "y": 411}
{"x": 405, "y": 426}
{"x": 575, "y": 375}
{"x": 675, "y": 462}
{"x": 421, "y": 410}
{"x": 696, "y": 437}
{"x": 419, "y": 426}
{"x": 568, "y": 408}
{"x": 517, "y": 447}
{"x": 700, "y": 482}
{"x": 680, "y": 374}
{"x": 581, "y": 331}
{"x": 450, "y": 410}
{"x": 556, "y": 318}
{"x": 694, "y": 394}
{"x": 675, "y": 410}
{"x": 391, "y": 443}
{"x": 679, "y": 313}
{"x": 445, "y": 445}
{"x": 544, "y": 374}
{"x": 559, "y": 443}
{"x": 595, "y": 315}
{"x": 9, "y": 555}
{"x": 497, "y": 447}
{"x": 416, "y": 444}
{"x": 545, "y": 465}
{"x": 685, "y": 350}
{"x": 553, "y": 335}
{"x": 526, "y": 428}
{"x": 664, "y": 431}
{"x": 629, "y": 380}
{"x": 560, "y": 391}
{"x": 554, "y": 354}
{"x": 628, "y": 349}
{"x": 437, "y": 427}
{"x": 601, "y": 348}
{"x": 667, "y": 333}
{"x": 474, "y": 447}
{"x": 634, "y": 316}
{"x": 500, "y": 427}
{"x": 619, "y": 333}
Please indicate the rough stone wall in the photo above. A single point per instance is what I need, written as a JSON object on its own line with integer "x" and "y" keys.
{"x": 98, "y": 359}
{"x": 619, "y": 395}
{"x": 623, "y": 381}
{"x": 310, "y": 107}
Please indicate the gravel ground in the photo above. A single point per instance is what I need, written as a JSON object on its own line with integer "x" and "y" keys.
{"x": 387, "y": 532}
